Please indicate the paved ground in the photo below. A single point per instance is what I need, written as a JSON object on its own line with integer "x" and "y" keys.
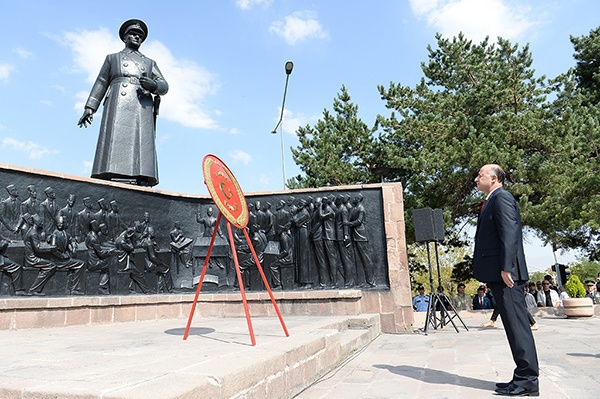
{"x": 446, "y": 364}
{"x": 442, "y": 364}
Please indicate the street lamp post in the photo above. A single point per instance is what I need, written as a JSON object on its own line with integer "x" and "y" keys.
{"x": 289, "y": 66}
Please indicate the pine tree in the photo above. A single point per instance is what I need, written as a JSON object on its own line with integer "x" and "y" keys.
{"x": 337, "y": 150}
{"x": 476, "y": 104}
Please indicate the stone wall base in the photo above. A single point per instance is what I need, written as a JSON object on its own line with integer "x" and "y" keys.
{"x": 27, "y": 312}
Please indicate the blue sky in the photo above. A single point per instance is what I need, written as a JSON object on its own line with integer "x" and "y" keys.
{"x": 224, "y": 61}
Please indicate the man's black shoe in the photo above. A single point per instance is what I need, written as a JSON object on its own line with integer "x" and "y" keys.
{"x": 503, "y": 384}
{"x": 513, "y": 390}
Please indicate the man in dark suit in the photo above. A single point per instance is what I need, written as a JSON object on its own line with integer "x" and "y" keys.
{"x": 481, "y": 301}
{"x": 499, "y": 260}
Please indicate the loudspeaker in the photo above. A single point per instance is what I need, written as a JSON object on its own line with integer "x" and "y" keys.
{"x": 428, "y": 224}
{"x": 438, "y": 225}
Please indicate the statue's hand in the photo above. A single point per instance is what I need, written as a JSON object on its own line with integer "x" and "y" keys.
{"x": 148, "y": 84}
{"x": 86, "y": 118}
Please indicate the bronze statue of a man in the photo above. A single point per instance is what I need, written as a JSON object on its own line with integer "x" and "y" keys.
{"x": 132, "y": 84}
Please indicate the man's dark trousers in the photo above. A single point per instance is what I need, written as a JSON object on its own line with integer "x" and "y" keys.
{"x": 513, "y": 311}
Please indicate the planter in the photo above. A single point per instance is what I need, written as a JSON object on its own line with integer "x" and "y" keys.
{"x": 578, "y": 307}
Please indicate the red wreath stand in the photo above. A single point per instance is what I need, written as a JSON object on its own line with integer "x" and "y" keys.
{"x": 229, "y": 199}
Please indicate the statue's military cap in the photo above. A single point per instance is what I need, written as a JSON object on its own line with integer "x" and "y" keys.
{"x": 133, "y": 24}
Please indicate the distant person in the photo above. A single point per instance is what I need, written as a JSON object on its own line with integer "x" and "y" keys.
{"x": 481, "y": 301}
{"x": 530, "y": 301}
{"x": 532, "y": 288}
{"x": 420, "y": 302}
{"x": 592, "y": 292}
{"x": 538, "y": 285}
{"x": 547, "y": 297}
{"x": 462, "y": 300}
{"x": 132, "y": 85}
{"x": 562, "y": 294}
{"x": 549, "y": 278}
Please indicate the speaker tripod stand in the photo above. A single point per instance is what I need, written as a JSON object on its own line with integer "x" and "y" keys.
{"x": 439, "y": 301}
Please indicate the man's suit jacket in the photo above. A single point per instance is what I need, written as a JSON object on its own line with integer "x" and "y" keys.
{"x": 487, "y": 304}
{"x": 498, "y": 240}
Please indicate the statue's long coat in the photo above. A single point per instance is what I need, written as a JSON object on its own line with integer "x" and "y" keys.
{"x": 126, "y": 143}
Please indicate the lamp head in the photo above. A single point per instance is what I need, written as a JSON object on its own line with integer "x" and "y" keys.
{"x": 288, "y": 67}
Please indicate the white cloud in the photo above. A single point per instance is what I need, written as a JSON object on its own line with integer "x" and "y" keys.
{"x": 87, "y": 167}
{"x": 247, "y": 4}
{"x": 5, "y": 71}
{"x": 81, "y": 98}
{"x": 264, "y": 180}
{"x": 59, "y": 88}
{"x": 23, "y": 53}
{"x": 241, "y": 156}
{"x": 476, "y": 18}
{"x": 189, "y": 83}
{"x": 88, "y": 59}
{"x": 34, "y": 151}
{"x": 299, "y": 26}
{"x": 292, "y": 121}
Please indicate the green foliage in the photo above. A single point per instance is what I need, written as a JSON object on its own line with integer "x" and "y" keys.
{"x": 585, "y": 270}
{"x": 476, "y": 104}
{"x": 575, "y": 287}
{"x": 587, "y": 69}
{"x": 337, "y": 150}
{"x": 463, "y": 270}
{"x": 567, "y": 209}
{"x": 448, "y": 257}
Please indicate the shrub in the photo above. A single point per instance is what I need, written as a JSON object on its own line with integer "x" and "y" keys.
{"x": 575, "y": 287}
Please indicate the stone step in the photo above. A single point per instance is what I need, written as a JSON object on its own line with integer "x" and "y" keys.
{"x": 150, "y": 360}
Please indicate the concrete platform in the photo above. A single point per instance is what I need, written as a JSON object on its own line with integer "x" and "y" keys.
{"x": 323, "y": 358}
{"x": 466, "y": 365}
{"x": 151, "y": 360}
